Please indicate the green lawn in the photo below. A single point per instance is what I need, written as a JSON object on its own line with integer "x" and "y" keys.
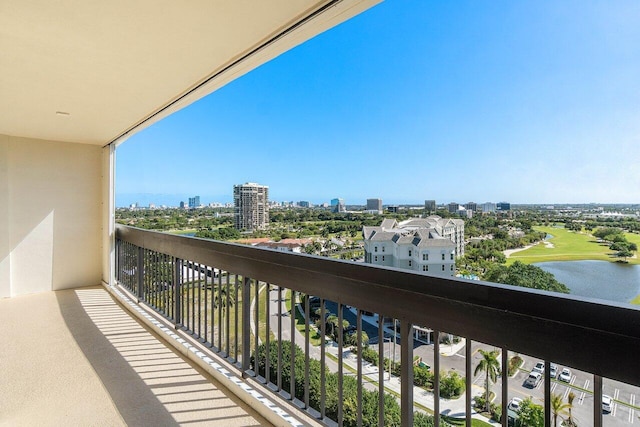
{"x": 569, "y": 246}
{"x": 182, "y": 232}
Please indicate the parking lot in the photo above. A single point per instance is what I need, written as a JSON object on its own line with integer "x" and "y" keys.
{"x": 625, "y": 408}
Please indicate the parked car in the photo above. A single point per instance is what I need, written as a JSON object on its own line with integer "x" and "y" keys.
{"x": 514, "y": 404}
{"x": 553, "y": 370}
{"x": 565, "y": 375}
{"x": 539, "y": 368}
{"x": 607, "y": 403}
{"x": 533, "y": 380}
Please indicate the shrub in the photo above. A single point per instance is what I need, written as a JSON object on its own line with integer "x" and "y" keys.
{"x": 452, "y": 385}
{"x": 514, "y": 363}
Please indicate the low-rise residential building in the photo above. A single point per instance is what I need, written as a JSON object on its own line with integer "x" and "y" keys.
{"x": 423, "y": 244}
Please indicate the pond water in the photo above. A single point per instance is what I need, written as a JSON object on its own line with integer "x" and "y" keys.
{"x": 597, "y": 279}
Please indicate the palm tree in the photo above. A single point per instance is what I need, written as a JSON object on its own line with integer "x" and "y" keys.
{"x": 490, "y": 365}
{"x": 570, "y": 397}
{"x": 222, "y": 298}
{"x": 332, "y": 321}
{"x": 558, "y": 407}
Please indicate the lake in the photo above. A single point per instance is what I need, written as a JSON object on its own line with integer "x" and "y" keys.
{"x": 597, "y": 279}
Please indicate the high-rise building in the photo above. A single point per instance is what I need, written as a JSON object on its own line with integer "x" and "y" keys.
{"x": 430, "y": 206}
{"x": 471, "y": 206}
{"x": 503, "y": 206}
{"x": 453, "y": 207}
{"x": 488, "y": 207}
{"x": 374, "y": 205}
{"x": 251, "y": 206}
{"x": 304, "y": 204}
{"x": 194, "y": 202}
{"x": 337, "y": 205}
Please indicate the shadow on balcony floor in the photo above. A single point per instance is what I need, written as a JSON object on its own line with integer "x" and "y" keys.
{"x": 76, "y": 357}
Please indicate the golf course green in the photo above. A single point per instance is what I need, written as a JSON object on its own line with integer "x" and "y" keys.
{"x": 568, "y": 245}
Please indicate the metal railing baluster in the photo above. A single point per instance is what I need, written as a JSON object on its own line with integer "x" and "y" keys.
{"x": 279, "y": 373}
{"x": 237, "y": 332}
{"x": 323, "y": 362}
{"x": 246, "y": 324}
{"x": 359, "y": 361}
{"x": 380, "y": 370}
{"x": 597, "y": 401}
{"x": 306, "y": 351}
{"x": 205, "y": 333}
{"x": 547, "y": 393}
{"x": 436, "y": 377}
{"x": 267, "y": 342}
{"x": 406, "y": 367}
{"x": 292, "y": 379}
{"x": 468, "y": 346}
{"x": 256, "y": 322}
{"x": 505, "y": 386}
{"x": 340, "y": 368}
{"x": 177, "y": 312}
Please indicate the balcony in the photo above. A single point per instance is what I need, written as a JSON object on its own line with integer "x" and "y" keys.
{"x": 81, "y": 359}
{"x": 235, "y": 301}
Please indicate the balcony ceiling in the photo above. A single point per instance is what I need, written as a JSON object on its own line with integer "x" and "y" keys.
{"x": 90, "y": 71}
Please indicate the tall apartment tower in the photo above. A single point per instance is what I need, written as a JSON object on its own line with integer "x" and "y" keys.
{"x": 430, "y": 206}
{"x": 251, "y": 206}
{"x": 471, "y": 206}
{"x": 194, "y": 202}
{"x": 337, "y": 205}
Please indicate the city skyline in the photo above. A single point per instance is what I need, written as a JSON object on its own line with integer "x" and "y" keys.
{"x": 529, "y": 102}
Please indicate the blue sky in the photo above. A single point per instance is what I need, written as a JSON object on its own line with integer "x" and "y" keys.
{"x": 528, "y": 102}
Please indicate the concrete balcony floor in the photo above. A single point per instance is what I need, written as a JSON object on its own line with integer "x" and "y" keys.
{"x": 76, "y": 357}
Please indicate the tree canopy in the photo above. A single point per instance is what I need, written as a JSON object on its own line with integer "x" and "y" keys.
{"x": 526, "y": 276}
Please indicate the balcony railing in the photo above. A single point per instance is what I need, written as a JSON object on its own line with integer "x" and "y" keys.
{"x": 240, "y": 301}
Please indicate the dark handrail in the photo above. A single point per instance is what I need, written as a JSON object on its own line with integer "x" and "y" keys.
{"x": 588, "y": 334}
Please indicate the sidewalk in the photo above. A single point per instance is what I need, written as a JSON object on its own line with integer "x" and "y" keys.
{"x": 421, "y": 397}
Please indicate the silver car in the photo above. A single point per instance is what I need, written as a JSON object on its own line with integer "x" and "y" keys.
{"x": 565, "y": 375}
{"x": 533, "y": 380}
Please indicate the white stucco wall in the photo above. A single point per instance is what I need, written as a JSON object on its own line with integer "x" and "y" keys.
{"x": 108, "y": 212}
{"x": 5, "y": 260}
{"x": 52, "y": 216}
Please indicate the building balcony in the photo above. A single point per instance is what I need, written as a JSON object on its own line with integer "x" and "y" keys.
{"x": 80, "y": 358}
{"x": 236, "y": 302}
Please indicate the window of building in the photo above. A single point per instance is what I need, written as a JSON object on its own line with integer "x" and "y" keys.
{"x": 451, "y": 255}
{"x": 375, "y": 249}
{"x": 383, "y": 249}
{"x": 443, "y": 257}
{"x": 376, "y": 258}
{"x": 442, "y": 267}
{"x": 425, "y": 257}
{"x": 425, "y": 268}
{"x": 409, "y": 252}
{"x": 451, "y": 267}
{"x": 409, "y": 263}
{"x": 382, "y": 258}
